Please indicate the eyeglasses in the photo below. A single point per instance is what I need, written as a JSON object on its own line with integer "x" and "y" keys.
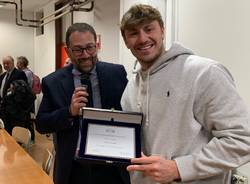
{"x": 90, "y": 49}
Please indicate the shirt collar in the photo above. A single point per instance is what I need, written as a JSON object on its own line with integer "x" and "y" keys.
{"x": 76, "y": 72}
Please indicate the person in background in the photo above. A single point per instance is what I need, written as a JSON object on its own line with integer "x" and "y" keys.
{"x": 22, "y": 64}
{"x": 63, "y": 96}
{"x": 11, "y": 75}
{"x": 196, "y": 128}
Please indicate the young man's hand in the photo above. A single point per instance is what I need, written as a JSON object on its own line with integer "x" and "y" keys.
{"x": 156, "y": 168}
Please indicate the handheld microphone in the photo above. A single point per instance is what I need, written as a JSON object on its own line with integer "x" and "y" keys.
{"x": 85, "y": 82}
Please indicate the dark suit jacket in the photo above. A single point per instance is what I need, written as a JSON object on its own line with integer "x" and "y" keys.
{"x": 53, "y": 115}
{"x": 15, "y": 75}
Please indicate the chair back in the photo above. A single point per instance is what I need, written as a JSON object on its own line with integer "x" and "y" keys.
{"x": 1, "y": 124}
{"x": 22, "y": 136}
{"x": 47, "y": 163}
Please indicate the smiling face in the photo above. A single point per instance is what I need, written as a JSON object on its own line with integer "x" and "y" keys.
{"x": 145, "y": 41}
{"x": 82, "y": 50}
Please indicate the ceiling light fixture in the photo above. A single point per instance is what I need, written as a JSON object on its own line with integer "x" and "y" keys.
{"x": 2, "y": 5}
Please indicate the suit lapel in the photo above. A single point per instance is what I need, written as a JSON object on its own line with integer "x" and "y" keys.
{"x": 4, "y": 85}
{"x": 67, "y": 83}
{"x": 8, "y": 81}
{"x": 12, "y": 74}
{"x": 104, "y": 83}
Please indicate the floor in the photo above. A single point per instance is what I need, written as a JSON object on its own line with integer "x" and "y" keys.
{"x": 39, "y": 148}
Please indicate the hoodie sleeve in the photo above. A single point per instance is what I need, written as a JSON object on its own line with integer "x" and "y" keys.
{"x": 125, "y": 101}
{"x": 220, "y": 111}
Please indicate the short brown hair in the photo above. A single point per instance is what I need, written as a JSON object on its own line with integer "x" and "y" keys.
{"x": 138, "y": 14}
{"x": 80, "y": 27}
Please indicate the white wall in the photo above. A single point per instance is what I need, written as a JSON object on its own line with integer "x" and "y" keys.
{"x": 106, "y": 23}
{"x": 219, "y": 29}
{"x": 15, "y": 40}
{"x": 105, "y": 20}
{"x": 45, "y": 51}
{"x": 87, "y": 17}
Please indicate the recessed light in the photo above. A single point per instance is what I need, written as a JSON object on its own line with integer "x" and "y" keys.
{"x": 2, "y": 5}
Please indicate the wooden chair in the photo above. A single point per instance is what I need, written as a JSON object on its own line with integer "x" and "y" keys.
{"x": 48, "y": 162}
{"x": 22, "y": 136}
{"x": 1, "y": 124}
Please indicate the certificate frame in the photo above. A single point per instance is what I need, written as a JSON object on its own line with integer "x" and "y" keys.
{"x": 100, "y": 119}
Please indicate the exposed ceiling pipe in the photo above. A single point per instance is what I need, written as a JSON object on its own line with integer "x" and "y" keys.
{"x": 21, "y": 14}
{"x": 56, "y": 17}
{"x": 79, "y": 4}
{"x": 16, "y": 14}
{"x": 57, "y": 11}
{"x": 72, "y": 5}
{"x": 86, "y": 9}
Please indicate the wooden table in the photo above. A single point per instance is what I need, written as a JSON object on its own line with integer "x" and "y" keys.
{"x": 16, "y": 166}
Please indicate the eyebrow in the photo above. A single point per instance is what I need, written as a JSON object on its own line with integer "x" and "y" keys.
{"x": 80, "y": 46}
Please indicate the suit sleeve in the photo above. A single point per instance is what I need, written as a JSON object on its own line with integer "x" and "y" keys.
{"x": 53, "y": 115}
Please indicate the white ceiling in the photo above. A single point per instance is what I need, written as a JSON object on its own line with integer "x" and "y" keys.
{"x": 28, "y": 5}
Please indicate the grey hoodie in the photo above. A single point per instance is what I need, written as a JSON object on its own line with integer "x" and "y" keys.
{"x": 192, "y": 114}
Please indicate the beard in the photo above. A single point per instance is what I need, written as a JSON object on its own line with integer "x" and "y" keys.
{"x": 81, "y": 62}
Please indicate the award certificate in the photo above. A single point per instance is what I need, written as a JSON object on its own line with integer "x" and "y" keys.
{"x": 110, "y": 141}
{"x": 110, "y": 136}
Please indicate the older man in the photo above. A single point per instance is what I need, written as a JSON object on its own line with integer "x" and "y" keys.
{"x": 63, "y": 96}
{"x": 11, "y": 75}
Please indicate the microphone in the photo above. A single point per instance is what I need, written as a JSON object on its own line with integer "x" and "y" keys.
{"x": 85, "y": 82}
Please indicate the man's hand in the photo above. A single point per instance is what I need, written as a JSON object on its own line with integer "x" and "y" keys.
{"x": 156, "y": 168}
{"x": 78, "y": 100}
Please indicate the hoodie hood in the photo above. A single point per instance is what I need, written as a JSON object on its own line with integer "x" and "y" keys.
{"x": 168, "y": 56}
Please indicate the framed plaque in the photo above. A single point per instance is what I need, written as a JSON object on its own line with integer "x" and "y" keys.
{"x": 110, "y": 136}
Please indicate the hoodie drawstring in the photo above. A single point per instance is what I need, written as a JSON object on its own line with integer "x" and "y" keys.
{"x": 147, "y": 100}
{"x": 140, "y": 96}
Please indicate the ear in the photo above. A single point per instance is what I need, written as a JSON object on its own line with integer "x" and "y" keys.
{"x": 125, "y": 41}
{"x": 163, "y": 33}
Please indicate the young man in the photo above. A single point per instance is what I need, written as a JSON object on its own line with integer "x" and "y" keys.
{"x": 63, "y": 97}
{"x": 196, "y": 127}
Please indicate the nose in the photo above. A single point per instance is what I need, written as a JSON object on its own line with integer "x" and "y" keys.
{"x": 142, "y": 37}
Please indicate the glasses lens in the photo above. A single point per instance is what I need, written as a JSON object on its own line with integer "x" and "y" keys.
{"x": 90, "y": 49}
{"x": 77, "y": 51}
